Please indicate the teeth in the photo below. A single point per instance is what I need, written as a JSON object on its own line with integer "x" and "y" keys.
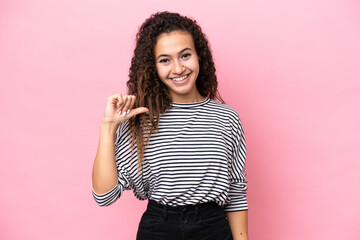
{"x": 180, "y": 78}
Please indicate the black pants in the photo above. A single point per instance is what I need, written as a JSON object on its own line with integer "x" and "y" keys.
{"x": 205, "y": 221}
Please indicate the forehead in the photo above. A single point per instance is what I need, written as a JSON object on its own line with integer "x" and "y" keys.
{"x": 173, "y": 42}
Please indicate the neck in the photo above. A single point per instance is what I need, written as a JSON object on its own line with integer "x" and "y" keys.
{"x": 188, "y": 99}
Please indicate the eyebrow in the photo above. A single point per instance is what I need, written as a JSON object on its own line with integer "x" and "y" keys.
{"x": 165, "y": 55}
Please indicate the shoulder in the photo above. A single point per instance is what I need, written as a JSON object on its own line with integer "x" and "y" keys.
{"x": 226, "y": 112}
{"x": 223, "y": 109}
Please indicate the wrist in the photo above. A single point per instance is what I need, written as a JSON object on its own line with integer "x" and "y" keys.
{"x": 109, "y": 127}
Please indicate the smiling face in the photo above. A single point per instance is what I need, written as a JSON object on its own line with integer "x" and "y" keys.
{"x": 177, "y": 65}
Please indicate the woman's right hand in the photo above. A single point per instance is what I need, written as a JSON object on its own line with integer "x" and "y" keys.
{"x": 118, "y": 109}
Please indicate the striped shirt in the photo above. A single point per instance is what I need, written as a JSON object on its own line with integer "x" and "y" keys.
{"x": 197, "y": 156}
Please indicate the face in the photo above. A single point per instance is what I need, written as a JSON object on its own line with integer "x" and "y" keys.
{"x": 177, "y": 65}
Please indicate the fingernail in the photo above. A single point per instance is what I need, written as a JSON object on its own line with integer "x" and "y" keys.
{"x": 128, "y": 111}
{"x": 124, "y": 114}
{"x": 119, "y": 113}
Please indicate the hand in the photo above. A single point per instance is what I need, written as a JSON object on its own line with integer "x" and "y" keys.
{"x": 118, "y": 109}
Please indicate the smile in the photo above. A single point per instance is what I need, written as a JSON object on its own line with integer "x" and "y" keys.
{"x": 179, "y": 79}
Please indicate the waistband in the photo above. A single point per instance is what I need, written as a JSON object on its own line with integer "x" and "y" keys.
{"x": 181, "y": 208}
{"x": 183, "y": 211}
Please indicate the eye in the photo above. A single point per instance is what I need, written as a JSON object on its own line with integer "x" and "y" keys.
{"x": 164, "y": 60}
{"x": 186, "y": 55}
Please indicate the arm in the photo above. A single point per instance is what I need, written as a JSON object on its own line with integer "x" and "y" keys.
{"x": 104, "y": 175}
{"x": 238, "y": 224}
{"x": 105, "y": 179}
{"x": 237, "y": 209}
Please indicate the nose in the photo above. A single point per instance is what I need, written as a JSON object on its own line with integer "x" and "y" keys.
{"x": 178, "y": 67}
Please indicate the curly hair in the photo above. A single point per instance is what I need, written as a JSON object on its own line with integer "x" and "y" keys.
{"x": 145, "y": 83}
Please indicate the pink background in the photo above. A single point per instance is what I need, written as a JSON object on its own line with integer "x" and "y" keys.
{"x": 291, "y": 68}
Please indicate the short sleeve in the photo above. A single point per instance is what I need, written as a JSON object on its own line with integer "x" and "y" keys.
{"x": 237, "y": 170}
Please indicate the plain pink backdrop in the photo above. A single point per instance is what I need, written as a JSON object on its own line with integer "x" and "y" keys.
{"x": 290, "y": 68}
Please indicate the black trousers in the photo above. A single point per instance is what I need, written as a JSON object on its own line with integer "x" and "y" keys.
{"x": 205, "y": 221}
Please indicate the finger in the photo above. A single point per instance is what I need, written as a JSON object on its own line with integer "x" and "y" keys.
{"x": 115, "y": 98}
{"x": 126, "y": 108}
{"x": 131, "y": 104}
{"x": 120, "y": 100}
{"x": 121, "y": 107}
{"x": 133, "y": 98}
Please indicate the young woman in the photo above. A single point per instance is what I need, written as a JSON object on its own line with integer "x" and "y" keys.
{"x": 170, "y": 142}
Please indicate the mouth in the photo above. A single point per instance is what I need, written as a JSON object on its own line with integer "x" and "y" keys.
{"x": 181, "y": 79}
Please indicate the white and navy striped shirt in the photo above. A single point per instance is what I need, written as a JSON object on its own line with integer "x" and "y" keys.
{"x": 197, "y": 156}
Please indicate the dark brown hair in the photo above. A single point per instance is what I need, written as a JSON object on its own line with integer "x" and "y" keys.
{"x": 145, "y": 83}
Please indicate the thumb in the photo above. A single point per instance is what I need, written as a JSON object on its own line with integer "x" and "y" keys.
{"x": 137, "y": 111}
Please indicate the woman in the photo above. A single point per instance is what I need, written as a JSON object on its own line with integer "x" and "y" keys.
{"x": 170, "y": 142}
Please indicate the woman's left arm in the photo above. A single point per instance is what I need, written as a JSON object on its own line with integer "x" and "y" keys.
{"x": 238, "y": 224}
